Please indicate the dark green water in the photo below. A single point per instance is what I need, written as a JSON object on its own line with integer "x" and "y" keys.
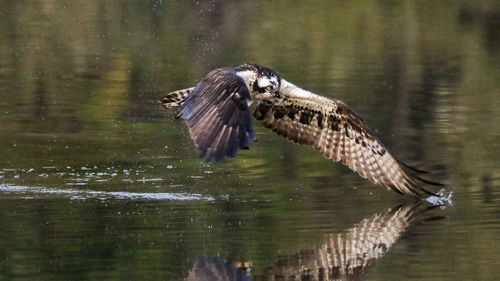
{"x": 98, "y": 183}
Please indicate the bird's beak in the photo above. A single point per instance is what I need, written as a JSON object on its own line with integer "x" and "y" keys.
{"x": 277, "y": 94}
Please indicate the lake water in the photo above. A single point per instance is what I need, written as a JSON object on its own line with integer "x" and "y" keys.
{"x": 98, "y": 183}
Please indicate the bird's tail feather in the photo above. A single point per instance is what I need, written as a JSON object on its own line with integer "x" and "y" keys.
{"x": 175, "y": 98}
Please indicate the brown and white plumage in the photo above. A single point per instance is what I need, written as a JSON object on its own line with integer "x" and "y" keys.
{"x": 175, "y": 98}
{"x": 217, "y": 115}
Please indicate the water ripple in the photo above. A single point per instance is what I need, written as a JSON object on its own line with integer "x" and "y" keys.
{"x": 74, "y": 194}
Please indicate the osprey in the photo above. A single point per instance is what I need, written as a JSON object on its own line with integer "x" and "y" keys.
{"x": 217, "y": 114}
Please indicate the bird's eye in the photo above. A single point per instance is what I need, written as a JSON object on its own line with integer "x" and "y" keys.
{"x": 269, "y": 88}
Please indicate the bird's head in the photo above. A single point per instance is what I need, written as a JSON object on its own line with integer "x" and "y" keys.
{"x": 263, "y": 82}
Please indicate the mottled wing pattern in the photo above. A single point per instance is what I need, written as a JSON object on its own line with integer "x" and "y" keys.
{"x": 217, "y": 115}
{"x": 340, "y": 134}
{"x": 347, "y": 255}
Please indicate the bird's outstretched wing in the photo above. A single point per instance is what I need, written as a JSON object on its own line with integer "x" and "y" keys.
{"x": 217, "y": 114}
{"x": 331, "y": 127}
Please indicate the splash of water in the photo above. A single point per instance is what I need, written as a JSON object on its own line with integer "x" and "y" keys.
{"x": 442, "y": 199}
{"x": 75, "y": 194}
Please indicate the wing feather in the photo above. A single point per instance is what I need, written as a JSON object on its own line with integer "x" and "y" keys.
{"x": 217, "y": 115}
{"x": 330, "y": 126}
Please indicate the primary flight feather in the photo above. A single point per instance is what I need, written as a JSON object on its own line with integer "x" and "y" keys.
{"x": 218, "y": 116}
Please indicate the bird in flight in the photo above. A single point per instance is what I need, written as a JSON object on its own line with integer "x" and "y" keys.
{"x": 217, "y": 113}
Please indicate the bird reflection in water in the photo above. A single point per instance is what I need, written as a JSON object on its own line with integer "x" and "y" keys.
{"x": 216, "y": 269}
{"x": 342, "y": 256}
